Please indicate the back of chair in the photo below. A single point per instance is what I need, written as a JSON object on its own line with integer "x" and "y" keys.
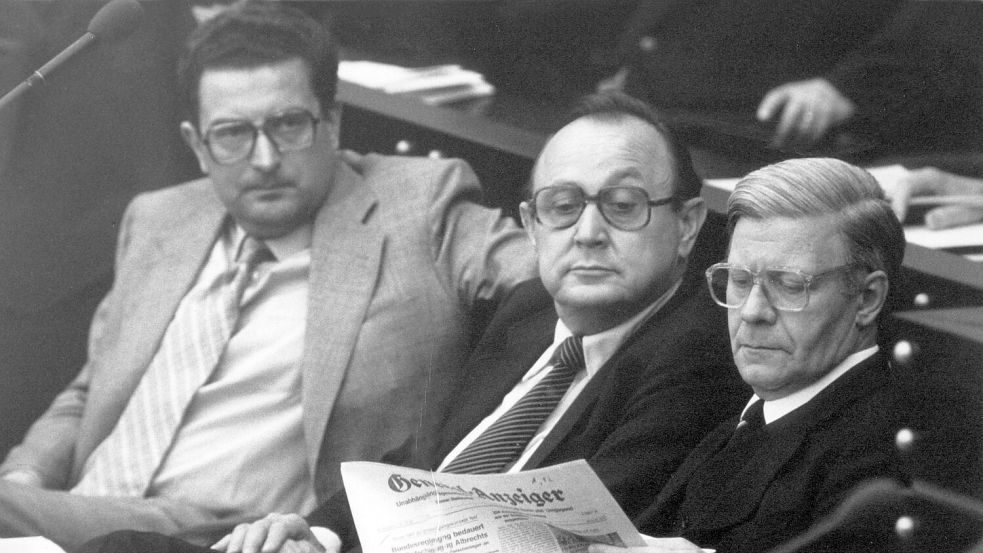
{"x": 883, "y": 516}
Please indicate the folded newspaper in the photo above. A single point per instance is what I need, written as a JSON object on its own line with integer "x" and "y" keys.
{"x": 562, "y": 508}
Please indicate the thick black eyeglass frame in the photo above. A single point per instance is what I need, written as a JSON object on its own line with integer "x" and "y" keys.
{"x": 650, "y": 203}
{"x": 262, "y": 128}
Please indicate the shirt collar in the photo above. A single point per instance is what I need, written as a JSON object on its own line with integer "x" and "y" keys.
{"x": 778, "y": 408}
{"x": 600, "y": 347}
{"x": 282, "y": 247}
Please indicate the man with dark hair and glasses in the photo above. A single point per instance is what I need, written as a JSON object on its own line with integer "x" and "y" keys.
{"x": 296, "y": 308}
{"x": 815, "y": 252}
{"x": 617, "y": 348}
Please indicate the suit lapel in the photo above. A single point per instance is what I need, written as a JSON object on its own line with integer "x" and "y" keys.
{"x": 739, "y": 500}
{"x": 743, "y": 495}
{"x": 183, "y": 251}
{"x": 166, "y": 271}
{"x": 581, "y": 405}
{"x": 672, "y": 492}
{"x": 493, "y": 373}
{"x": 169, "y": 270}
{"x": 346, "y": 252}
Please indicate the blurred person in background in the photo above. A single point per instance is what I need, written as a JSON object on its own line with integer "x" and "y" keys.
{"x": 809, "y": 69}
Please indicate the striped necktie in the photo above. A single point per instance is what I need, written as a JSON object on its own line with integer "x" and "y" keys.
{"x": 502, "y": 443}
{"x": 125, "y": 462}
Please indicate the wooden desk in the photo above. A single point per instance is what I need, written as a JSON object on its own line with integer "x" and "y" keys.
{"x": 944, "y": 373}
{"x": 964, "y": 322}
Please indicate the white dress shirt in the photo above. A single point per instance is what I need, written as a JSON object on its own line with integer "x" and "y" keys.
{"x": 241, "y": 442}
{"x": 778, "y": 408}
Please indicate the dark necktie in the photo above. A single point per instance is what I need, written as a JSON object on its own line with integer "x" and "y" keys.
{"x": 504, "y": 441}
{"x": 752, "y": 420}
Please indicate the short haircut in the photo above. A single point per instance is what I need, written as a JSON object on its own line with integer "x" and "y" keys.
{"x": 617, "y": 106}
{"x": 815, "y": 187}
{"x": 255, "y": 34}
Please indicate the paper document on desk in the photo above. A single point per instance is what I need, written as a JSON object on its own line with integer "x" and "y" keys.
{"x": 434, "y": 85}
{"x": 957, "y": 238}
{"x": 29, "y": 545}
{"x": 559, "y": 509}
{"x": 889, "y": 177}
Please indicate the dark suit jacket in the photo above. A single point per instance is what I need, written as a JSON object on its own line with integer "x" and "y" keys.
{"x": 810, "y": 460}
{"x": 636, "y": 420}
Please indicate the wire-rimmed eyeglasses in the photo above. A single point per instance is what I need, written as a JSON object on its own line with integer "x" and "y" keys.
{"x": 231, "y": 141}
{"x": 787, "y": 289}
{"x": 626, "y": 208}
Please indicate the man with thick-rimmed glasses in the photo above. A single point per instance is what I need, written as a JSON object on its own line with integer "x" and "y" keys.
{"x": 815, "y": 252}
{"x": 616, "y": 354}
{"x": 296, "y": 308}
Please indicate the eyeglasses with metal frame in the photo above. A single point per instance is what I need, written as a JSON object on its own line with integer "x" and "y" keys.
{"x": 231, "y": 141}
{"x": 625, "y": 208}
{"x": 786, "y": 288}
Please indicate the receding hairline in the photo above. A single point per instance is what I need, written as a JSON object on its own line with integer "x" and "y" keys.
{"x": 615, "y": 119}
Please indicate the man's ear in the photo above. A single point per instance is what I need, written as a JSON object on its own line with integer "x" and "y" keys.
{"x": 191, "y": 138}
{"x": 873, "y": 295}
{"x": 528, "y": 220}
{"x": 691, "y": 216}
{"x": 332, "y": 118}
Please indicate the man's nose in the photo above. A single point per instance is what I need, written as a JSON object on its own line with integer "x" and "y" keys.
{"x": 757, "y": 307}
{"x": 265, "y": 156}
{"x": 591, "y": 228}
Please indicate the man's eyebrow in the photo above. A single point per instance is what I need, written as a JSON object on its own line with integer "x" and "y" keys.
{"x": 636, "y": 172}
{"x": 612, "y": 180}
{"x": 565, "y": 182}
{"x": 622, "y": 174}
{"x": 224, "y": 120}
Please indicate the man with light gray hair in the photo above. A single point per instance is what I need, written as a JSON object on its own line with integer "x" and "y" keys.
{"x": 815, "y": 251}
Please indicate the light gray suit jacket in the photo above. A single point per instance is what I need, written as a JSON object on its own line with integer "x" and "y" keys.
{"x": 400, "y": 256}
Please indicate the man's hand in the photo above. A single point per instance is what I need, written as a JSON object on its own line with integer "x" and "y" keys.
{"x": 929, "y": 181}
{"x": 653, "y": 545}
{"x": 804, "y": 111}
{"x": 26, "y": 477}
{"x": 274, "y": 533}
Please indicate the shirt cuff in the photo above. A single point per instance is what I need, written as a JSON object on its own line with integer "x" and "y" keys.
{"x": 328, "y": 539}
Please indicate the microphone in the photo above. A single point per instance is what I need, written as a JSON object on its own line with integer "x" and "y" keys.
{"x": 113, "y": 21}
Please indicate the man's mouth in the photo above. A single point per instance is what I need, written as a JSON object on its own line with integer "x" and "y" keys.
{"x": 269, "y": 185}
{"x": 756, "y": 347}
{"x": 590, "y": 269}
